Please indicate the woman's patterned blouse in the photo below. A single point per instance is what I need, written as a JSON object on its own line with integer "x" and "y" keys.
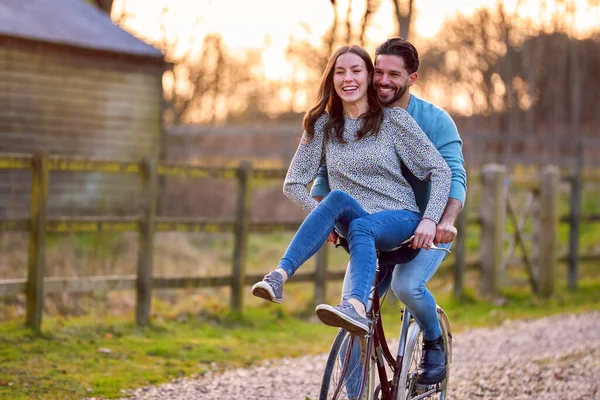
{"x": 369, "y": 169}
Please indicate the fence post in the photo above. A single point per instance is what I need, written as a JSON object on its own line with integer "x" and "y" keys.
{"x": 146, "y": 241}
{"x": 460, "y": 254}
{"x": 493, "y": 216}
{"x": 549, "y": 220}
{"x": 574, "y": 223}
{"x": 37, "y": 241}
{"x": 321, "y": 274}
{"x": 241, "y": 236}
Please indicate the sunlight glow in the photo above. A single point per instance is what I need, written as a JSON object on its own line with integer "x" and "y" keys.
{"x": 268, "y": 26}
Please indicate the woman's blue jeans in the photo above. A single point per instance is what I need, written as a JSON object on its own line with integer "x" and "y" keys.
{"x": 408, "y": 284}
{"x": 366, "y": 234}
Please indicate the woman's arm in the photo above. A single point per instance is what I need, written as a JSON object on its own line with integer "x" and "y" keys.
{"x": 304, "y": 166}
{"x": 422, "y": 158}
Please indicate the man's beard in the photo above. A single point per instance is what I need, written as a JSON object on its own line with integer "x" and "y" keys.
{"x": 399, "y": 93}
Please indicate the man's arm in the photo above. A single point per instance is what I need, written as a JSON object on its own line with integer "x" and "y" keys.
{"x": 450, "y": 147}
{"x": 319, "y": 189}
{"x": 445, "y": 230}
{"x": 320, "y": 186}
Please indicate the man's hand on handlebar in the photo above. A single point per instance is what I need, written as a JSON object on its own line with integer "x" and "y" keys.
{"x": 445, "y": 233}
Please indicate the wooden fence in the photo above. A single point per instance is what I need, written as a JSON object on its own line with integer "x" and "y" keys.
{"x": 147, "y": 223}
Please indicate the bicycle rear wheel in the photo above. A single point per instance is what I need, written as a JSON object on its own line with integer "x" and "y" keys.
{"x": 343, "y": 375}
{"x": 407, "y": 384}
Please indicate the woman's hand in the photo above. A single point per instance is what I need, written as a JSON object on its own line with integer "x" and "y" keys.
{"x": 332, "y": 238}
{"x": 424, "y": 234}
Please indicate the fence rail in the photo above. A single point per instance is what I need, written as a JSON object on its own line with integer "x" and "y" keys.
{"x": 147, "y": 223}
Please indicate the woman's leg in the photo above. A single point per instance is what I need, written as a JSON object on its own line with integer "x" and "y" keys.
{"x": 336, "y": 208}
{"x": 383, "y": 231}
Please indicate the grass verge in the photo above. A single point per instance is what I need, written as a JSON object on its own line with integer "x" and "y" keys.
{"x": 90, "y": 357}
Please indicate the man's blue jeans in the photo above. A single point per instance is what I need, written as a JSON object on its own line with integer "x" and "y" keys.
{"x": 365, "y": 232}
{"x": 408, "y": 284}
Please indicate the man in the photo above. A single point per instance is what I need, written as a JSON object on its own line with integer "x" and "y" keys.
{"x": 396, "y": 65}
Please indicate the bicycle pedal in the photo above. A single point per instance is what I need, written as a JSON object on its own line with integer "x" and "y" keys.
{"x": 420, "y": 389}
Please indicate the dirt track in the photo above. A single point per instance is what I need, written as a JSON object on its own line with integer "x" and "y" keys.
{"x": 550, "y": 358}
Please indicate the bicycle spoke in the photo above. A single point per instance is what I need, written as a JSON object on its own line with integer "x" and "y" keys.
{"x": 346, "y": 371}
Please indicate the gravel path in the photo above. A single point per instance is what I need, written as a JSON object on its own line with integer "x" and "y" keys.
{"x": 550, "y": 358}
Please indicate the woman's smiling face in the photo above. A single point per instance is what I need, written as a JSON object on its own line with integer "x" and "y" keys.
{"x": 351, "y": 79}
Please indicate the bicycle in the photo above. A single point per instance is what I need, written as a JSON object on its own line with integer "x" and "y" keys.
{"x": 348, "y": 377}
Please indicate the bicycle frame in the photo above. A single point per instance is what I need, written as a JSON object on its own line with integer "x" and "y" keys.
{"x": 376, "y": 340}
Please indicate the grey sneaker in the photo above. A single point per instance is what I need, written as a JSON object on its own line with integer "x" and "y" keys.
{"x": 270, "y": 288}
{"x": 343, "y": 316}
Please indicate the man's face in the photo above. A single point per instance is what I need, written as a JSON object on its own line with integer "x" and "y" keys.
{"x": 391, "y": 79}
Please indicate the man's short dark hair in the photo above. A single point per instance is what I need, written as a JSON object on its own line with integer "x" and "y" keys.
{"x": 401, "y": 48}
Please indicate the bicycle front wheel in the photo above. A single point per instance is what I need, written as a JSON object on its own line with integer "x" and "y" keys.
{"x": 348, "y": 370}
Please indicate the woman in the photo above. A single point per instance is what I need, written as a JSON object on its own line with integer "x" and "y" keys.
{"x": 372, "y": 204}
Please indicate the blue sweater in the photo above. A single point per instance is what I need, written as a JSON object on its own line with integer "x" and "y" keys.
{"x": 441, "y": 130}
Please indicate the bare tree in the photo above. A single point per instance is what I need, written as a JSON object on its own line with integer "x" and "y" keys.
{"x": 404, "y": 14}
{"x": 105, "y": 5}
{"x": 371, "y": 7}
{"x": 199, "y": 83}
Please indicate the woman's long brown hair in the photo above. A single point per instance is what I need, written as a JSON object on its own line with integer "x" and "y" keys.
{"x": 331, "y": 103}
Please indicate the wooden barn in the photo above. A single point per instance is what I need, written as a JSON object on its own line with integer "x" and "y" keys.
{"x": 72, "y": 82}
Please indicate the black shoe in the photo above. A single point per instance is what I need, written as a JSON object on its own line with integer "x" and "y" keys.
{"x": 433, "y": 364}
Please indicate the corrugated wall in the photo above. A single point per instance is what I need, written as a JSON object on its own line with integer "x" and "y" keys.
{"x": 71, "y": 103}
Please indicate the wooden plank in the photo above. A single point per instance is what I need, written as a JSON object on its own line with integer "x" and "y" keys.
{"x": 321, "y": 275}
{"x": 92, "y": 224}
{"x": 241, "y": 236}
{"x": 518, "y": 226}
{"x": 131, "y": 224}
{"x": 82, "y": 143}
{"x": 13, "y": 287}
{"x": 60, "y": 71}
{"x": 37, "y": 242}
{"x": 493, "y": 213}
{"x": 574, "y": 228}
{"x": 30, "y": 117}
{"x": 14, "y": 225}
{"x": 589, "y": 218}
{"x": 460, "y": 255}
{"x": 79, "y": 164}
{"x": 193, "y": 225}
{"x": 548, "y": 239}
{"x": 15, "y": 161}
{"x": 268, "y": 227}
{"x": 75, "y": 98}
{"x": 130, "y": 108}
{"x": 587, "y": 257}
{"x": 146, "y": 242}
{"x": 20, "y": 85}
{"x": 189, "y": 171}
{"x": 264, "y": 173}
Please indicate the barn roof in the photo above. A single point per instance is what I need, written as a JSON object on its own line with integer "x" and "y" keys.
{"x": 69, "y": 22}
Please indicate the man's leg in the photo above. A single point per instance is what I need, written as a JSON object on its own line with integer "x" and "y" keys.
{"x": 408, "y": 284}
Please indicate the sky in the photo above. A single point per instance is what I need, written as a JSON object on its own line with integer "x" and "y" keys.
{"x": 269, "y": 24}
